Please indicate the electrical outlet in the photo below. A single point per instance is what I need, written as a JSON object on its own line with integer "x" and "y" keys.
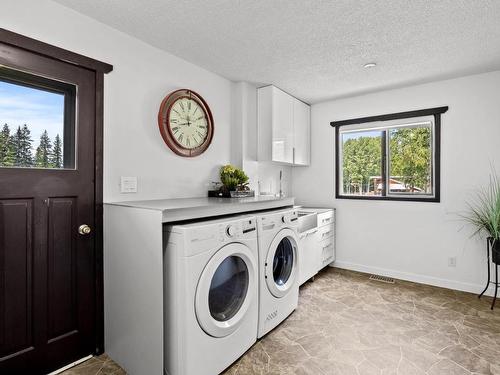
{"x": 128, "y": 184}
{"x": 452, "y": 261}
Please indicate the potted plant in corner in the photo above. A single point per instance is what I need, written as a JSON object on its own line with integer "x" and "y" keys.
{"x": 484, "y": 215}
{"x": 234, "y": 182}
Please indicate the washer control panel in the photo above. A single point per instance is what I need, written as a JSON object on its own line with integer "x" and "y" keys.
{"x": 290, "y": 218}
{"x": 231, "y": 230}
{"x": 237, "y": 229}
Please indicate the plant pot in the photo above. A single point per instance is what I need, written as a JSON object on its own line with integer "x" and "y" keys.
{"x": 221, "y": 193}
{"x": 242, "y": 193}
{"x": 495, "y": 250}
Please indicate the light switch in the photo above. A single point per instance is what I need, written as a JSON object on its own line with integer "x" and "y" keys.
{"x": 128, "y": 184}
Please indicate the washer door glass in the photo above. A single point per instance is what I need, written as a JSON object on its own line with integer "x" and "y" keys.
{"x": 228, "y": 288}
{"x": 283, "y": 262}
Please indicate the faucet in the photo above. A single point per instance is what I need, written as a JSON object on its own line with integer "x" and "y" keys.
{"x": 281, "y": 177}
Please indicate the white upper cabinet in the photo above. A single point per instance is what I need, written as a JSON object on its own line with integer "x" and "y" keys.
{"x": 301, "y": 133}
{"x": 283, "y": 127}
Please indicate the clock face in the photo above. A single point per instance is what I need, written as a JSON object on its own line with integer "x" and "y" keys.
{"x": 188, "y": 123}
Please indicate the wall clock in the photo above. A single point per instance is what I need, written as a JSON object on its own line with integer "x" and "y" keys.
{"x": 186, "y": 123}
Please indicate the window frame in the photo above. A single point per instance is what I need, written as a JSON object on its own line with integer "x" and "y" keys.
{"x": 394, "y": 118}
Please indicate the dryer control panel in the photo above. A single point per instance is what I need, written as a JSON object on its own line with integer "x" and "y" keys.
{"x": 279, "y": 219}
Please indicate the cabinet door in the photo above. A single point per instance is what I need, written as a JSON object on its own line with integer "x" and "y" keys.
{"x": 282, "y": 146}
{"x": 309, "y": 257}
{"x": 302, "y": 132}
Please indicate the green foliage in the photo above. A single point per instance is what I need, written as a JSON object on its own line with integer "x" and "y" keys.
{"x": 43, "y": 154}
{"x": 57, "y": 157}
{"x": 362, "y": 158}
{"x": 410, "y": 154}
{"x": 5, "y": 147}
{"x": 410, "y": 159}
{"x": 16, "y": 149}
{"x": 233, "y": 178}
{"x": 484, "y": 209}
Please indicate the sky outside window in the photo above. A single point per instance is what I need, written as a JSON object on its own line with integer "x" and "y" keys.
{"x": 40, "y": 110}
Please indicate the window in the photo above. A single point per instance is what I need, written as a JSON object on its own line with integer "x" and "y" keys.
{"x": 36, "y": 121}
{"x": 390, "y": 157}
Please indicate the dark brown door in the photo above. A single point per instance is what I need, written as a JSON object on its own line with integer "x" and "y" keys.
{"x": 47, "y": 269}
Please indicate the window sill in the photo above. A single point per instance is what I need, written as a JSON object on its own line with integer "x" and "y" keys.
{"x": 397, "y": 199}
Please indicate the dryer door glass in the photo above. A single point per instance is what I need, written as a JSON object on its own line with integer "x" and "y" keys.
{"x": 283, "y": 262}
{"x": 228, "y": 288}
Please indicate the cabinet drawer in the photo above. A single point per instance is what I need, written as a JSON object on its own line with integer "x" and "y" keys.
{"x": 325, "y": 232}
{"x": 327, "y": 251}
{"x": 325, "y": 218}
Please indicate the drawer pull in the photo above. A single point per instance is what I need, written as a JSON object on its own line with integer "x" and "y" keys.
{"x": 326, "y": 233}
{"x": 327, "y": 220}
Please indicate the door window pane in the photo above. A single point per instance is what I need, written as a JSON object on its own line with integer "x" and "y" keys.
{"x": 362, "y": 163}
{"x": 283, "y": 262}
{"x": 228, "y": 288}
{"x": 36, "y": 121}
{"x": 410, "y": 160}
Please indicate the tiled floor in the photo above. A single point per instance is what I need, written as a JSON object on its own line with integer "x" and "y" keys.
{"x": 101, "y": 365}
{"x": 347, "y": 324}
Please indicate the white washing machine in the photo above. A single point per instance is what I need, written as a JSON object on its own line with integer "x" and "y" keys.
{"x": 211, "y": 294}
{"x": 278, "y": 267}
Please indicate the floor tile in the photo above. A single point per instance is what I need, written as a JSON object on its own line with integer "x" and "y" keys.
{"x": 347, "y": 324}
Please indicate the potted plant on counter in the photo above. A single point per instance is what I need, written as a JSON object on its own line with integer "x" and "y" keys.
{"x": 234, "y": 183}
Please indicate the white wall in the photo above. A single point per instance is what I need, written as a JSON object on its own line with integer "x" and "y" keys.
{"x": 403, "y": 239}
{"x": 142, "y": 76}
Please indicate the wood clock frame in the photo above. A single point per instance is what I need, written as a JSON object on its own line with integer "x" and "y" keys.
{"x": 164, "y": 120}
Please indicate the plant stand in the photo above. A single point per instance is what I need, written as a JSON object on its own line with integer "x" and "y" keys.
{"x": 488, "y": 242}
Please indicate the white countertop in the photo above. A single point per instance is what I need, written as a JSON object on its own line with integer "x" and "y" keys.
{"x": 195, "y": 208}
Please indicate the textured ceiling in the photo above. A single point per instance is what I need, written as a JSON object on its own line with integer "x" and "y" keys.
{"x": 316, "y": 49}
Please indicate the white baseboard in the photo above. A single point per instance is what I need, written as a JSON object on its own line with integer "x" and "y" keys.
{"x": 421, "y": 279}
{"x": 71, "y": 365}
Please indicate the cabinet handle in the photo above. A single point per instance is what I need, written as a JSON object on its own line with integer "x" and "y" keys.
{"x": 326, "y": 233}
{"x": 312, "y": 232}
{"x": 327, "y": 220}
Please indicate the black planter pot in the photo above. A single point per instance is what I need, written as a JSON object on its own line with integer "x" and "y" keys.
{"x": 495, "y": 250}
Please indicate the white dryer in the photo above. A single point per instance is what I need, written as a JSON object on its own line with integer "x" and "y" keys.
{"x": 278, "y": 267}
{"x": 211, "y": 294}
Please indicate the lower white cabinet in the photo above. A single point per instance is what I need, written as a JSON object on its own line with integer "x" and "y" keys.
{"x": 317, "y": 245}
{"x": 309, "y": 257}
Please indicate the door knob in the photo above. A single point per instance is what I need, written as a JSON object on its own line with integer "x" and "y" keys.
{"x": 84, "y": 229}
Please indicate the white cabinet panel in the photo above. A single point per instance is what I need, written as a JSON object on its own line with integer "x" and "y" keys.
{"x": 282, "y": 125}
{"x": 309, "y": 256}
{"x": 301, "y": 132}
